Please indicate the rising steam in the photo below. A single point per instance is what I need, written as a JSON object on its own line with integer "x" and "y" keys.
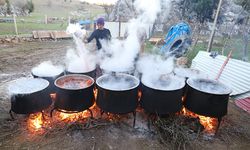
{"x": 47, "y": 69}
{"x": 80, "y": 59}
{"x": 120, "y": 55}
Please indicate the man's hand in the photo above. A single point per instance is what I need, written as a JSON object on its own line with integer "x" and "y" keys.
{"x": 85, "y": 41}
{"x": 78, "y": 34}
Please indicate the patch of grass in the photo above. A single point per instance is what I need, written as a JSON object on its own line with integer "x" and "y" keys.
{"x": 24, "y": 28}
{"x": 148, "y": 47}
{"x": 235, "y": 43}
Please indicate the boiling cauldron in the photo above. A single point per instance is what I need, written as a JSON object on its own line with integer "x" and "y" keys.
{"x": 162, "y": 96}
{"x": 207, "y": 97}
{"x": 29, "y": 95}
{"x": 51, "y": 77}
{"x": 74, "y": 93}
{"x": 117, "y": 93}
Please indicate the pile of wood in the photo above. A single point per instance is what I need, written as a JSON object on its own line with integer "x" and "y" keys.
{"x": 50, "y": 35}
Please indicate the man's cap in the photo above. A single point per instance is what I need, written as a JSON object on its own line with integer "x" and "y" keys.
{"x": 100, "y": 21}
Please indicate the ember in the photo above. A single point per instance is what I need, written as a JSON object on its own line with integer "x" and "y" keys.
{"x": 71, "y": 117}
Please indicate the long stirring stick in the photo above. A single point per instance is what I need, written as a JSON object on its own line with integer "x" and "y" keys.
{"x": 224, "y": 65}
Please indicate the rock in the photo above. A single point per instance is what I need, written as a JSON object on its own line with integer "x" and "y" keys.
{"x": 200, "y": 42}
{"x": 182, "y": 61}
{"x": 15, "y": 40}
{"x": 8, "y": 40}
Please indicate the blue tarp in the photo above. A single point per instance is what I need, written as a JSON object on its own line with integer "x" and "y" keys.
{"x": 175, "y": 32}
{"x": 85, "y": 22}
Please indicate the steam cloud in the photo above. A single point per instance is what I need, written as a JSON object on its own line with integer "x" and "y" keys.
{"x": 80, "y": 59}
{"x": 27, "y": 85}
{"x": 47, "y": 69}
{"x": 121, "y": 55}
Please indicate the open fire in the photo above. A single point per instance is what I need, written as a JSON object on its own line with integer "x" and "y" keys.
{"x": 37, "y": 123}
{"x": 40, "y": 122}
{"x": 209, "y": 124}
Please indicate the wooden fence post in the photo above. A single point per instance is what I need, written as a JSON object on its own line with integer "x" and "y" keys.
{"x": 119, "y": 33}
{"x": 14, "y": 17}
{"x": 46, "y": 19}
{"x": 214, "y": 26}
{"x": 69, "y": 20}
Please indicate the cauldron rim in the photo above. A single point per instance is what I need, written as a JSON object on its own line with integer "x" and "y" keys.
{"x": 27, "y": 93}
{"x": 79, "y": 72}
{"x": 158, "y": 89}
{"x": 46, "y": 76}
{"x": 119, "y": 74}
{"x": 131, "y": 69}
{"x": 227, "y": 91}
{"x": 74, "y": 75}
{"x": 167, "y": 90}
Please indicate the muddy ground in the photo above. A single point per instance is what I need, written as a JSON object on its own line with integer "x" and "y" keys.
{"x": 16, "y": 60}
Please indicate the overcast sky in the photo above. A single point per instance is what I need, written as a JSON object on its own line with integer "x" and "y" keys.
{"x": 100, "y": 1}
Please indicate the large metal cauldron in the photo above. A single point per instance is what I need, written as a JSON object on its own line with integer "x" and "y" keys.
{"x": 162, "y": 99}
{"x": 117, "y": 93}
{"x": 74, "y": 93}
{"x": 29, "y": 95}
{"x": 50, "y": 78}
{"x": 207, "y": 97}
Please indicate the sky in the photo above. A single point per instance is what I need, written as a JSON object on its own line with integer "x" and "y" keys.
{"x": 100, "y": 1}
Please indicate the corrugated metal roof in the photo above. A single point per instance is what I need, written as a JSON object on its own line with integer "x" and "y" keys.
{"x": 244, "y": 104}
{"x": 242, "y": 96}
{"x": 235, "y": 75}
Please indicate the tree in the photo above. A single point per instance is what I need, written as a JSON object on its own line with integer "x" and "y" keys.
{"x": 246, "y": 6}
{"x": 8, "y": 7}
{"x": 108, "y": 9}
{"x": 30, "y": 6}
{"x": 202, "y": 10}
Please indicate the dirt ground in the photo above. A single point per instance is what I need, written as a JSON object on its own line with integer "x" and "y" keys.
{"x": 17, "y": 60}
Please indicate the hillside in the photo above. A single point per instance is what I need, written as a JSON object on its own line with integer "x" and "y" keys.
{"x": 57, "y": 13}
{"x": 61, "y": 8}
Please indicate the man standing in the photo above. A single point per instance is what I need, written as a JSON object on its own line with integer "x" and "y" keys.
{"x": 100, "y": 33}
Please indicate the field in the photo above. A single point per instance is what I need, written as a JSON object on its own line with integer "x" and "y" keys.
{"x": 60, "y": 11}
